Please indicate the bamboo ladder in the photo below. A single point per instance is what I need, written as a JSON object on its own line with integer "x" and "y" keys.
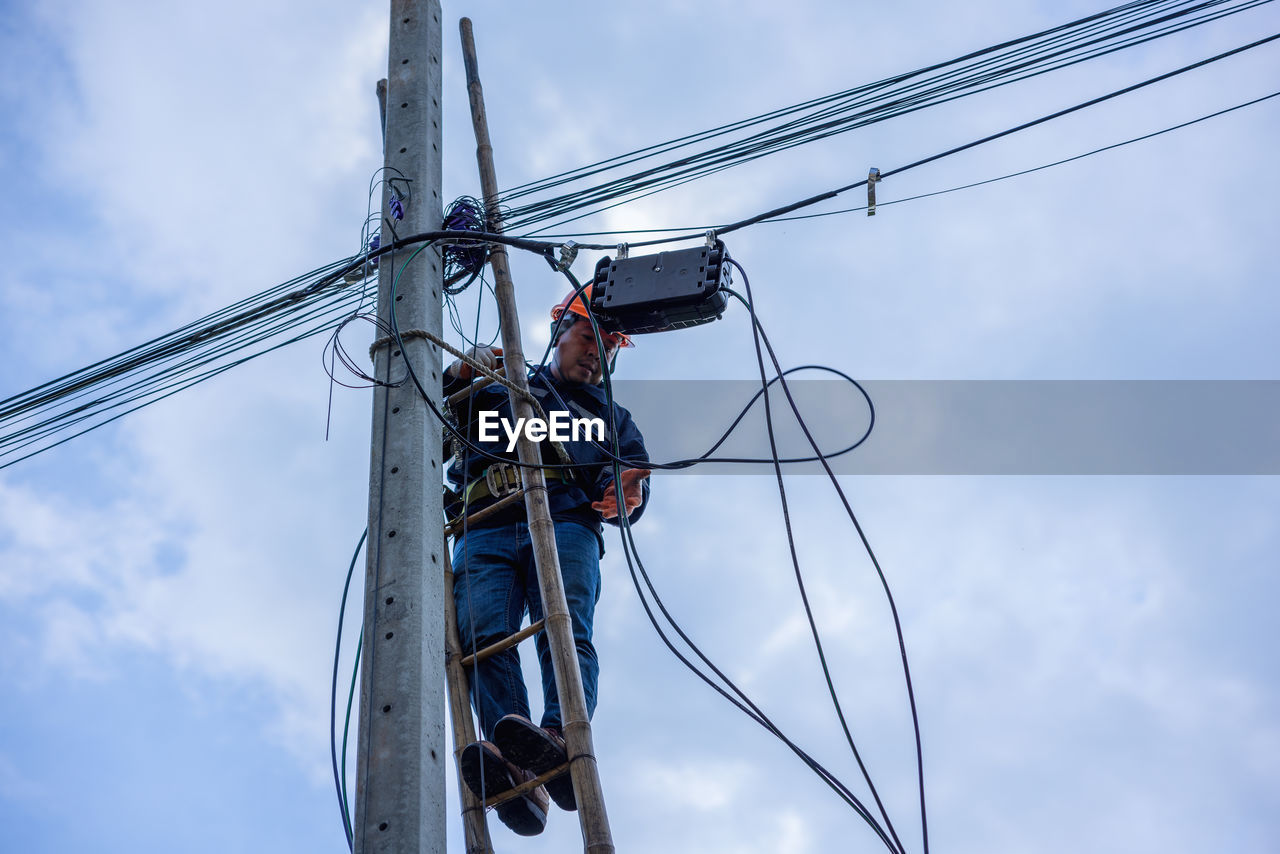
{"x": 557, "y": 623}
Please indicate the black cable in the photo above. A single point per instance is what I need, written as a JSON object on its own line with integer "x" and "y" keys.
{"x": 251, "y": 317}
{"x": 746, "y": 706}
{"x": 700, "y": 230}
{"x": 629, "y": 550}
{"x": 333, "y": 697}
{"x": 830, "y": 779}
{"x": 830, "y": 194}
{"x": 1126, "y": 26}
{"x": 579, "y": 290}
{"x": 897, "y": 622}
{"x": 460, "y": 437}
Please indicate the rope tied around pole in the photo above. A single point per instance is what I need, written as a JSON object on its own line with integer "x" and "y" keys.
{"x": 475, "y": 365}
{"x": 479, "y": 368}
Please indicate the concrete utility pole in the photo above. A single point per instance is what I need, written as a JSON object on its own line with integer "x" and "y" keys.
{"x": 400, "y": 775}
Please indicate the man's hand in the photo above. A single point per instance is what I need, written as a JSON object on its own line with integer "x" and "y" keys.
{"x": 487, "y": 356}
{"x": 632, "y": 494}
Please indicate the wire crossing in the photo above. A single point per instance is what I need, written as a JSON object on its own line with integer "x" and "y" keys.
{"x": 1119, "y": 28}
{"x": 59, "y": 410}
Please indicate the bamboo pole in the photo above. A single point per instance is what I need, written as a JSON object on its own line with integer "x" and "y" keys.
{"x": 455, "y": 528}
{"x": 459, "y": 396}
{"x": 474, "y": 826}
{"x": 506, "y": 643}
{"x": 528, "y": 785}
{"x": 577, "y": 728}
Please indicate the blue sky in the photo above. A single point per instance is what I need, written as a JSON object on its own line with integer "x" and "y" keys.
{"x": 1093, "y": 656}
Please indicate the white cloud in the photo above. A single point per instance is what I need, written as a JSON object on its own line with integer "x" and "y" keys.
{"x": 1083, "y": 650}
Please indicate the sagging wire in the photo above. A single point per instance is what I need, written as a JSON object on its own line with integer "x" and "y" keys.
{"x": 747, "y": 706}
{"x": 750, "y": 708}
{"x": 579, "y": 290}
{"x": 246, "y": 318}
{"x": 251, "y": 320}
{"x": 1121, "y": 27}
{"x": 760, "y": 336}
{"x": 339, "y": 772}
{"x": 702, "y": 229}
{"x": 780, "y": 212}
{"x": 455, "y": 319}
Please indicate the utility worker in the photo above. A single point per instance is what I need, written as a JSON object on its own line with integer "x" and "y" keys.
{"x": 494, "y": 576}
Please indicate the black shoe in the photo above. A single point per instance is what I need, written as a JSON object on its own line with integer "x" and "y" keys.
{"x": 487, "y": 774}
{"x": 537, "y": 750}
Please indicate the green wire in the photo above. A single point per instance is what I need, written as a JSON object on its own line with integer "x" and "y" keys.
{"x": 346, "y": 726}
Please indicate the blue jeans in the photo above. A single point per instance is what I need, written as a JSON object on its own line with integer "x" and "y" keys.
{"x": 494, "y": 582}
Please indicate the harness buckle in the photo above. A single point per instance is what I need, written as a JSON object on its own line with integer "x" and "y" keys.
{"x": 503, "y": 479}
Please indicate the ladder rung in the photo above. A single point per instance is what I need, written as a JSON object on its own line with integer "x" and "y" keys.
{"x": 528, "y": 786}
{"x": 454, "y": 528}
{"x": 474, "y": 387}
{"x": 506, "y": 643}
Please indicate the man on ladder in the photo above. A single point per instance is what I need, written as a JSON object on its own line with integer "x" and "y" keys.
{"x": 495, "y": 578}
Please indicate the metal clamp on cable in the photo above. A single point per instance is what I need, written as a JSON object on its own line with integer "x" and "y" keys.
{"x": 623, "y": 252}
{"x": 711, "y": 238}
{"x": 872, "y": 178}
{"x": 568, "y": 254}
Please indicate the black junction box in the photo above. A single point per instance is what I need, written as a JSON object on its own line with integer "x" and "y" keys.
{"x": 658, "y": 293}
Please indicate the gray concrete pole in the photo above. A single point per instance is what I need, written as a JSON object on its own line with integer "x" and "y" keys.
{"x": 400, "y": 774}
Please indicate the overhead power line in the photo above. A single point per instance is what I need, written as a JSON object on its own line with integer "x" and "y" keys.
{"x": 61, "y": 409}
{"x": 1119, "y": 28}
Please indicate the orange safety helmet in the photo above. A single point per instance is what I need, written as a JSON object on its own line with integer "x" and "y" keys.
{"x": 578, "y": 309}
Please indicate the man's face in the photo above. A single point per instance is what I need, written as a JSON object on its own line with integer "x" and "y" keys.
{"x": 577, "y": 358}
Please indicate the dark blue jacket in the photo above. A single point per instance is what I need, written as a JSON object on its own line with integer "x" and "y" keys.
{"x": 569, "y": 500}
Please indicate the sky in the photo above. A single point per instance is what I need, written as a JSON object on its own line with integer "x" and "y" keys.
{"x": 1093, "y": 656}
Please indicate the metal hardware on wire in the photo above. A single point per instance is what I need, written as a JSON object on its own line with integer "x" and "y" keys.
{"x": 872, "y": 178}
{"x": 568, "y": 254}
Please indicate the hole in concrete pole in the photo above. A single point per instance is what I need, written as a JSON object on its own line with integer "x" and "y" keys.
{"x": 390, "y": 599}
{"x": 386, "y": 709}
{"x": 395, "y": 469}
{"x": 396, "y": 409}
{"x": 382, "y": 826}
{"x": 391, "y": 533}
{"x": 390, "y": 635}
